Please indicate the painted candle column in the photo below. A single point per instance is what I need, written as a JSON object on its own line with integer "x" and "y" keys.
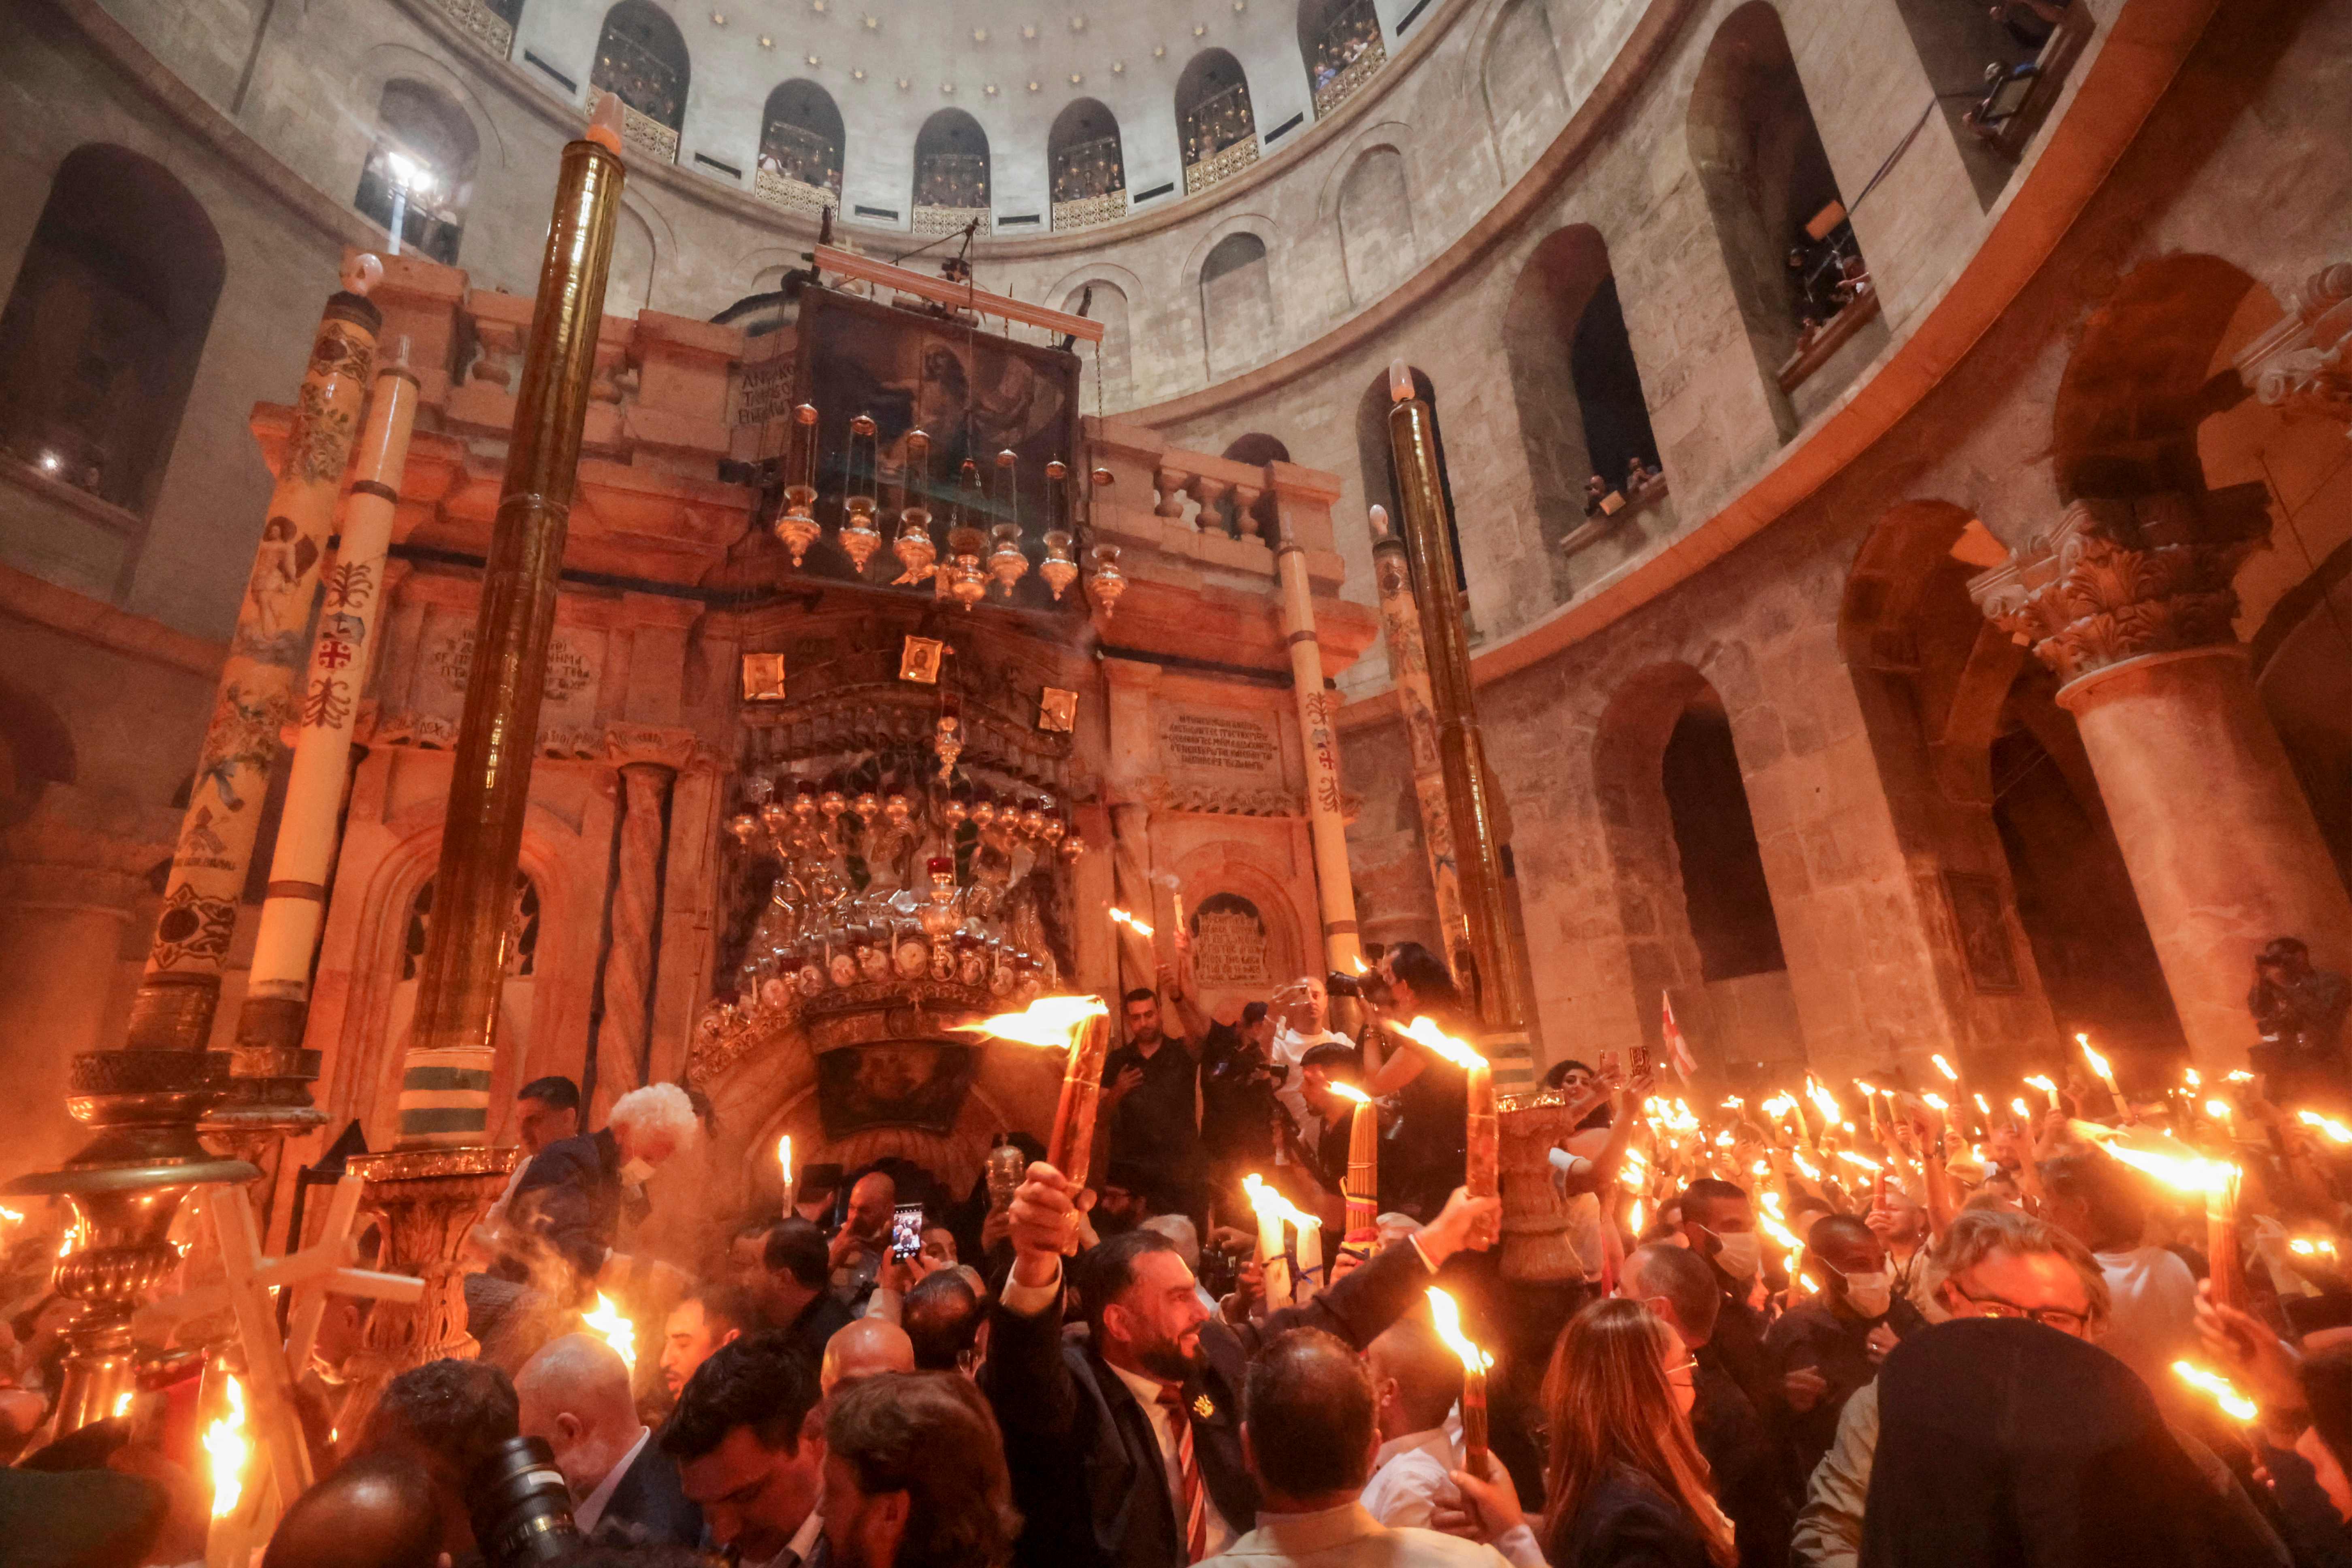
{"x": 1318, "y": 735}
{"x": 256, "y": 700}
{"x": 2129, "y": 603}
{"x": 1409, "y": 674}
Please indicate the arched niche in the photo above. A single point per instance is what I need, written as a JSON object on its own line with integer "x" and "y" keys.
{"x": 1582, "y": 412}
{"x": 1237, "y": 319}
{"x": 1376, "y": 240}
{"x": 1257, "y": 449}
{"x": 801, "y": 136}
{"x": 1956, "y": 44}
{"x": 1087, "y": 165}
{"x": 1796, "y": 270}
{"x": 1519, "y": 76}
{"x": 1216, "y": 126}
{"x": 1376, "y": 459}
{"x": 422, "y": 167}
{"x": 100, "y": 335}
{"x": 1107, "y": 368}
{"x": 1693, "y": 902}
{"x": 1340, "y": 42}
{"x": 951, "y": 165}
{"x": 641, "y": 59}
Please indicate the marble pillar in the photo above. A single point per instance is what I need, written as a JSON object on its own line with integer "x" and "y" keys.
{"x": 623, "y": 1032}
{"x": 2129, "y": 603}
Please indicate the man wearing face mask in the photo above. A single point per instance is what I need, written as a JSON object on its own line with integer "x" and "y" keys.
{"x": 576, "y": 1193}
{"x": 1719, "y": 1223}
{"x": 1828, "y": 1344}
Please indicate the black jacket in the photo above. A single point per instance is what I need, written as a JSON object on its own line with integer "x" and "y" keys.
{"x": 1626, "y": 1522}
{"x": 1087, "y": 1474}
{"x": 570, "y": 1199}
{"x": 1745, "y": 1464}
{"x": 649, "y": 1508}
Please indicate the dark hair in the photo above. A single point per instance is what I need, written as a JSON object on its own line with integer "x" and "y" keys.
{"x": 1331, "y": 1054}
{"x": 1109, "y": 1269}
{"x": 1423, "y": 970}
{"x": 723, "y": 1303}
{"x": 1708, "y": 1187}
{"x": 1140, "y": 994}
{"x": 457, "y": 1411}
{"x": 2113, "y": 1194}
{"x": 1252, "y": 1011}
{"x": 1557, "y": 1074}
{"x": 1309, "y": 1403}
{"x": 931, "y": 1435}
{"x": 942, "y": 1316}
{"x": 557, "y": 1093}
{"x": 797, "y": 1246}
{"x": 402, "y": 1523}
{"x": 1830, "y": 1229}
{"x": 1684, "y": 1278}
{"x": 759, "y": 1226}
{"x": 767, "y": 1382}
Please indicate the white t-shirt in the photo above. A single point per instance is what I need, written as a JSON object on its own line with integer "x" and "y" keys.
{"x": 2152, "y": 1319}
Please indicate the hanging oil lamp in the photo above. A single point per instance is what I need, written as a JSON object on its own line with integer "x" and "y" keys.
{"x": 1006, "y": 563}
{"x": 963, "y": 578}
{"x": 860, "y": 538}
{"x": 1060, "y": 568}
{"x": 797, "y": 528}
{"x": 1105, "y": 582}
{"x": 913, "y": 546}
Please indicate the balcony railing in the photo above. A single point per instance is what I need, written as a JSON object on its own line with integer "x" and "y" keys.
{"x": 643, "y": 133}
{"x": 794, "y": 195}
{"x": 1088, "y": 211}
{"x": 1218, "y": 166}
{"x": 1349, "y": 54}
{"x": 482, "y": 25}
{"x": 947, "y": 220}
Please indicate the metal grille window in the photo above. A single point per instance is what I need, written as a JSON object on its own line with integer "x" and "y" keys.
{"x": 641, "y": 59}
{"x": 1091, "y": 168}
{"x": 1217, "y": 122}
{"x": 799, "y": 153}
{"x": 951, "y": 180}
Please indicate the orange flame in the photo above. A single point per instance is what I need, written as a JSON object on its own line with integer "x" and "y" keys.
{"x": 1447, "y": 1317}
{"x": 230, "y": 1449}
{"x": 1131, "y": 922}
{"x": 615, "y": 1330}
{"x": 1424, "y": 1031}
{"x": 1051, "y": 1021}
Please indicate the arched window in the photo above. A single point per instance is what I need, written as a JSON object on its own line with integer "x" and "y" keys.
{"x": 1088, "y": 170}
{"x": 1583, "y": 418}
{"x": 800, "y": 149}
{"x": 100, "y": 335}
{"x": 1376, "y": 240}
{"x": 950, "y": 173}
{"x": 1796, "y": 269}
{"x": 1108, "y": 371}
{"x": 420, "y": 174}
{"x": 1378, "y": 460}
{"x": 642, "y": 59}
{"x": 1526, "y": 102}
{"x": 1730, "y": 905}
{"x": 1965, "y": 52}
{"x": 1213, "y": 120}
{"x": 1237, "y": 320}
{"x": 1341, "y": 42}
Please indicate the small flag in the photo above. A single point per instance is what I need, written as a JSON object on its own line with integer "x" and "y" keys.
{"x": 1679, "y": 1050}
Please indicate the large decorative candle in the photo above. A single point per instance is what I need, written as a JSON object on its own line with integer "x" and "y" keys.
{"x": 1447, "y": 1317}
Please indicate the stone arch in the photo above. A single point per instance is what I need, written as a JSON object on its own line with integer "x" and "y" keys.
{"x": 384, "y": 62}
{"x": 1697, "y": 915}
{"x": 1377, "y": 462}
{"x": 641, "y": 57}
{"x": 103, "y": 327}
{"x": 1084, "y": 157}
{"x": 1521, "y": 82}
{"x": 1107, "y": 366}
{"x": 1955, "y": 44}
{"x": 800, "y": 135}
{"x": 951, "y": 162}
{"x": 1766, "y": 177}
{"x": 637, "y": 262}
{"x": 1239, "y": 327}
{"x": 421, "y": 166}
{"x": 1375, "y": 212}
{"x": 1256, "y": 448}
{"x": 1577, "y": 390}
{"x": 1213, "y": 110}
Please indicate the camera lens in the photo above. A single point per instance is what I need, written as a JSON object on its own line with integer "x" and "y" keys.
{"x": 520, "y": 1507}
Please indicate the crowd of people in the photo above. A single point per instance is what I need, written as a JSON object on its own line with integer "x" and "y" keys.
{"x": 1829, "y": 1329}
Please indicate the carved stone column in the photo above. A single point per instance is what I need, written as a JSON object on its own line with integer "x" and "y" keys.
{"x": 2130, "y": 604}
{"x": 650, "y": 761}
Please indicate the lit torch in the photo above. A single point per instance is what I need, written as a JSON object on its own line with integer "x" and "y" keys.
{"x": 608, "y": 1323}
{"x": 2047, "y": 1085}
{"x": 1273, "y": 1212}
{"x": 785, "y": 1164}
{"x": 1475, "y": 1362}
{"x": 1080, "y": 1025}
{"x": 2334, "y": 1131}
{"x": 2107, "y": 1074}
{"x": 1139, "y": 927}
{"x": 2225, "y": 1393}
{"x": 1362, "y": 1186}
{"x": 2177, "y": 1166}
{"x": 1482, "y": 1175}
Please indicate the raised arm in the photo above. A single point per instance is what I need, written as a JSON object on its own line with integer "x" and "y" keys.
{"x": 1363, "y": 1304}
{"x": 1025, "y": 1377}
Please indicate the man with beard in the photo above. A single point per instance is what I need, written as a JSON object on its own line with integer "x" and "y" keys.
{"x": 1152, "y": 1394}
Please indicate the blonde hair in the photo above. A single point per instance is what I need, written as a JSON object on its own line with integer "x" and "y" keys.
{"x": 660, "y": 1109}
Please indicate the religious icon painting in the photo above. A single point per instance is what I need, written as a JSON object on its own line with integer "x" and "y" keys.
{"x": 918, "y": 660}
{"x": 1058, "y": 710}
{"x": 763, "y": 678}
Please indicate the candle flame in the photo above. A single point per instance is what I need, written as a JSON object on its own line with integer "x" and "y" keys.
{"x": 2042, "y": 1080}
{"x": 1447, "y": 1317}
{"x": 1867, "y": 1089}
{"x": 784, "y": 1161}
{"x": 1984, "y": 1106}
{"x": 2308, "y": 1247}
{"x": 1945, "y": 1067}
{"x": 607, "y": 1323}
{"x": 1867, "y": 1163}
{"x": 2334, "y": 1131}
{"x": 2225, "y": 1393}
{"x": 122, "y": 1403}
{"x": 2098, "y": 1063}
{"x": 2166, "y": 1159}
{"x": 1935, "y": 1102}
{"x": 2218, "y": 1110}
{"x": 1805, "y": 1167}
{"x": 1051, "y": 1021}
{"x": 230, "y": 1449}
{"x": 1424, "y": 1031}
{"x": 1823, "y": 1099}
{"x": 1633, "y": 1215}
{"x": 2189, "y": 1076}
{"x": 2241, "y": 1076}
{"x": 1350, "y": 1091}
{"x": 1358, "y": 959}
{"x": 2017, "y": 1105}
{"x": 1267, "y": 1202}
{"x": 1780, "y": 1104}
{"x": 1131, "y": 922}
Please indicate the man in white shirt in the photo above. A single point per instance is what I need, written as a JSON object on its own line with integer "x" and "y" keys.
{"x": 1416, "y": 1381}
{"x": 2152, "y": 1322}
{"x": 575, "y": 1394}
{"x": 1304, "y": 1009}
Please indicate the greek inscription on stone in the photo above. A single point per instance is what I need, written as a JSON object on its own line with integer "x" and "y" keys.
{"x": 766, "y": 391}
{"x": 1228, "y": 948}
{"x": 1227, "y": 743}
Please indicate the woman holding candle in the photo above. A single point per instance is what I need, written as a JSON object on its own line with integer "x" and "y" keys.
{"x": 1431, "y": 1149}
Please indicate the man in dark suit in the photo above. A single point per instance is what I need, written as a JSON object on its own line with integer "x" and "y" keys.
{"x": 624, "y": 1488}
{"x": 1125, "y": 1445}
{"x": 796, "y": 1298}
{"x": 571, "y": 1196}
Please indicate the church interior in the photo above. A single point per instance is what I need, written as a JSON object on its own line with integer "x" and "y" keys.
{"x": 1856, "y": 496}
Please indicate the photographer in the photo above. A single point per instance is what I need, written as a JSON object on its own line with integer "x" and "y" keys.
{"x": 1237, "y": 1086}
{"x": 446, "y": 1418}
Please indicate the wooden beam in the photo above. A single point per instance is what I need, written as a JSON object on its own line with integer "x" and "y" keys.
{"x": 958, "y": 296}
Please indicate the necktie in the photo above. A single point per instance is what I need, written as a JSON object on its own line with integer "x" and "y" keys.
{"x": 1193, "y": 1504}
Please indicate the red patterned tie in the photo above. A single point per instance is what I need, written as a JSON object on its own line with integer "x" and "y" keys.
{"x": 1195, "y": 1501}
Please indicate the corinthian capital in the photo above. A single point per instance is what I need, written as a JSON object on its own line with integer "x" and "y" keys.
{"x": 2121, "y": 578}
{"x": 2305, "y": 363}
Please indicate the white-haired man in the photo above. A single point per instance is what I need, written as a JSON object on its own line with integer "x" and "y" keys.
{"x": 572, "y": 1196}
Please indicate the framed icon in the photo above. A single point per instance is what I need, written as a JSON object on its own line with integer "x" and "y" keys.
{"x": 918, "y": 660}
{"x": 763, "y": 678}
{"x": 1057, "y": 710}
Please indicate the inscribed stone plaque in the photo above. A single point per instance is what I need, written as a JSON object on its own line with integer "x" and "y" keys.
{"x": 1232, "y": 744}
{"x": 1229, "y": 942}
{"x": 575, "y": 663}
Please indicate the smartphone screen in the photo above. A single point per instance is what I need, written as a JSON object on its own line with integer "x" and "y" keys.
{"x": 906, "y": 1231}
